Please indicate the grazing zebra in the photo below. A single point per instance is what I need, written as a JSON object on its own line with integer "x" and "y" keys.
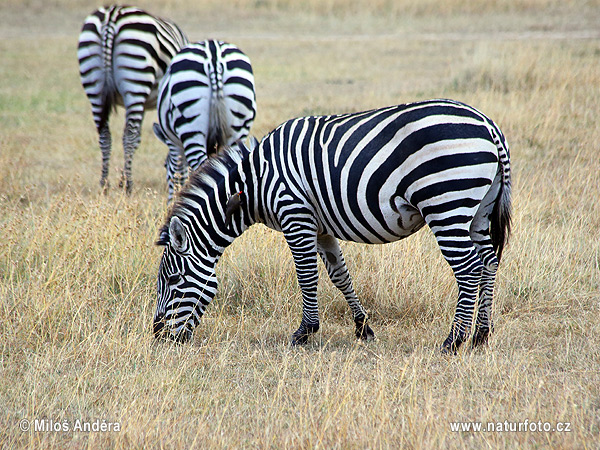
{"x": 372, "y": 177}
{"x": 206, "y": 101}
{"x": 123, "y": 54}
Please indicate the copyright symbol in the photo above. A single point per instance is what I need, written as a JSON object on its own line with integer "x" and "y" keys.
{"x": 24, "y": 425}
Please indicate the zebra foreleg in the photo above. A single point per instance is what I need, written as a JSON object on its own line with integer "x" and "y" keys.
{"x": 308, "y": 277}
{"x": 131, "y": 141}
{"x": 300, "y": 336}
{"x": 331, "y": 254}
{"x": 105, "y": 146}
{"x": 303, "y": 245}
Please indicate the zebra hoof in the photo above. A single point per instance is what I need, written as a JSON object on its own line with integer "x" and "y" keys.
{"x": 363, "y": 330}
{"x": 300, "y": 336}
{"x": 480, "y": 338}
{"x": 299, "y": 339}
{"x": 127, "y": 186}
{"x": 451, "y": 344}
{"x": 448, "y": 349}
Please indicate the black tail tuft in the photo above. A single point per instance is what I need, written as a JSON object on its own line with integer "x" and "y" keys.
{"x": 500, "y": 226}
{"x": 219, "y": 130}
{"x": 108, "y": 104}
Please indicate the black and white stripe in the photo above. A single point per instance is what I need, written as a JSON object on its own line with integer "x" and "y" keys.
{"x": 373, "y": 177}
{"x": 206, "y": 101}
{"x": 123, "y": 54}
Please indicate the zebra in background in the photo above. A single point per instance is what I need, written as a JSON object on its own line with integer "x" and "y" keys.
{"x": 206, "y": 101}
{"x": 371, "y": 177}
{"x": 123, "y": 54}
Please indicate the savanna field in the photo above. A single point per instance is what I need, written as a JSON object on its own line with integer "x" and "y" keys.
{"x": 78, "y": 268}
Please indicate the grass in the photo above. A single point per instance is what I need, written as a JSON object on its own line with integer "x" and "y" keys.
{"x": 78, "y": 269}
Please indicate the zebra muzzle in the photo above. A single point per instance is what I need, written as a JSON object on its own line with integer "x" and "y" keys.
{"x": 162, "y": 332}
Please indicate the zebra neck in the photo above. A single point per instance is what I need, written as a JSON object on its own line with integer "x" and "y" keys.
{"x": 245, "y": 215}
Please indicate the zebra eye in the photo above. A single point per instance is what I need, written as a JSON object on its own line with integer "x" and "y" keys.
{"x": 174, "y": 279}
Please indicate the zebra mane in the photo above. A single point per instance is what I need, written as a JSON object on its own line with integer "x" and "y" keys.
{"x": 212, "y": 172}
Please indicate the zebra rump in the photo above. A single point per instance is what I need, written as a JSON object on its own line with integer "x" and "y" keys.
{"x": 205, "y": 102}
{"x": 374, "y": 177}
{"x": 123, "y": 53}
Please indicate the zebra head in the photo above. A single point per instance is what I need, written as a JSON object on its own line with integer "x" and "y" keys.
{"x": 186, "y": 283}
{"x": 194, "y": 237}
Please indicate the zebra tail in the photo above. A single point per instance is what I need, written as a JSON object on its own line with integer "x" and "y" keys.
{"x": 500, "y": 226}
{"x": 219, "y": 129}
{"x": 109, "y": 90}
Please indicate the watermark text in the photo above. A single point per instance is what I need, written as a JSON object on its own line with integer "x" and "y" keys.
{"x": 533, "y": 426}
{"x": 69, "y": 426}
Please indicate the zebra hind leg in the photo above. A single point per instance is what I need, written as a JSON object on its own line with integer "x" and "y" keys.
{"x": 483, "y": 322}
{"x": 480, "y": 235}
{"x": 105, "y": 146}
{"x": 459, "y": 251}
{"x": 131, "y": 141}
{"x": 331, "y": 254}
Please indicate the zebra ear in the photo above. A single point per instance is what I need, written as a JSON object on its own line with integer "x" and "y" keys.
{"x": 233, "y": 204}
{"x": 246, "y": 149}
{"x": 177, "y": 236}
{"x": 253, "y": 143}
{"x": 159, "y": 133}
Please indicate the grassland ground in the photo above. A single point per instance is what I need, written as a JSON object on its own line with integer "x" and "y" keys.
{"x": 78, "y": 268}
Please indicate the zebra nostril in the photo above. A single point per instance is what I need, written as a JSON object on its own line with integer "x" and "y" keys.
{"x": 162, "y": 333}
{"x": 184, "y": 336}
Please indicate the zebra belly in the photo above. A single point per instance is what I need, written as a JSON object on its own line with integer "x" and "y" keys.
{"x": 400, "y": 220}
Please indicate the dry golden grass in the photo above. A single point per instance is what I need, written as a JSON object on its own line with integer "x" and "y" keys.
{"x": 78, "y": 269}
